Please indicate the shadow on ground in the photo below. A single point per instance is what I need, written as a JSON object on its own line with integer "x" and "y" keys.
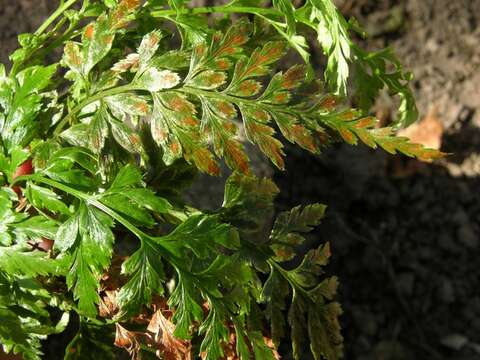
{"x": 405, "y": 243}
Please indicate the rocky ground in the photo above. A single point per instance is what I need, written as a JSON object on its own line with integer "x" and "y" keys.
{"x": 405, "y": 236}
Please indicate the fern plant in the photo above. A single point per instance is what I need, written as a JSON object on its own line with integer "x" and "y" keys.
{"x": 98, "y": 147}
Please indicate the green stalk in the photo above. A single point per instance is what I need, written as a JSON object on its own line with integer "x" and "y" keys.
{"x": 226, "y": 9}
{"x": 59, "y": 12}
{"x": 216, "y": 94}
{"x": 295, "y": 286}
{"x": 145, "y": 239}
{"x": 233, "y": 99}
{"x": 89, "y": 199}
{"x": 61, "y": 9}
{"x": 98, "y": 96}
{"x": 264, "y": 13}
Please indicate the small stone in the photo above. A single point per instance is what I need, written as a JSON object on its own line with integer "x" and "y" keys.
{"x": 391, "y": 350}
{"x": 432, "y": 45}
{"x": 475, "y": 323}
{"x": 405, "y": 283}
{"x": 475, "y": 347}
{"x": 363, "y": 344}
{"x": 454, "y": 341}
{"x": 466, "y": 235}
{"x": 446, "y": 291}
{"x": 446, "y": 243}
{"x": 425, "y": 253}
{"x": 474, "y": 303}
{"x": 365, "y": 321}
{"x": 371, "y": 327}
{"x": 468, "y": 313}
{"x": 460, "y": 217}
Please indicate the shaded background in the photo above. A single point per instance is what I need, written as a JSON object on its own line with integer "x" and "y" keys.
{"x": 405, "y": 235}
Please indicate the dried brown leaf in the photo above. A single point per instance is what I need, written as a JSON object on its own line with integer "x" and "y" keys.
{"x": 127, "y": 340}
{"x": 108, "y": 305}
{"x": 427, "y": 132}
{"x": 160, "y": 334}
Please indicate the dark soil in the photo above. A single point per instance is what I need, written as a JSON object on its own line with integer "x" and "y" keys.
{"x": 406, "y": 244}
{"x": 18, "y": 17}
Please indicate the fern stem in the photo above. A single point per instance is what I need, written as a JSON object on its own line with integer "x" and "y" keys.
{"x": 226, "y": 9}
{"x": 216, "y": 94}
{"x": 98, "y": 96}
{"x": 235, "y": 99}
{"x": 91, "y": 200}
{"x": 61, "y": 9}
{"x": 293, "y": 283}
